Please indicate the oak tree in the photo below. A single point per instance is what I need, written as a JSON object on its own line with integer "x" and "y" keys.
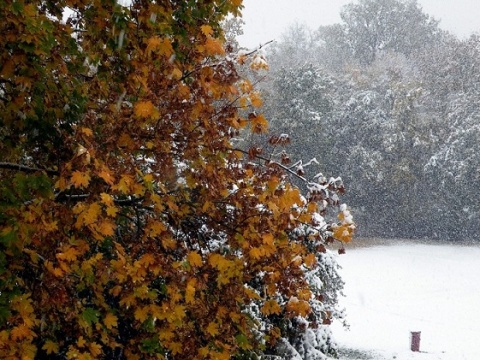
{"x": 131, "y": 226}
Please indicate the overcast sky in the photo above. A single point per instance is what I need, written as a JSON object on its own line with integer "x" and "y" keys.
{"x": 266, "y": 19}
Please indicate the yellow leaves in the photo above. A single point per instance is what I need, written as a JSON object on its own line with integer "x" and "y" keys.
{"x": 158, "y": 45}
{"x": 258, "y": 123}
{"x": 175, "y": 347}
{"x": 213, "y": 47}
{"x": 212, "y": 328}
{"x": 252, "y": 294}
{"x": 207, "y": 206}
{"x": 50, "y": 347}
{"x": 271, "y": 307}
{"x": 91, "y": 216}
{"x": 80, "y": 179}
{"x": 289, "y": 198}
{"x": 194, "y": 259}
{"x": 310, "y": 260}
{"x": 146, "y": 260}
{"x": 256, "y": 253}
{"x": 177, "y": 74}
{"x": 87, "y": 213}
{"x": 245, "y": 86}
{"x": 107, "y": 199}
{"x": 22, "y": 332}
{"x": 105, "y": 174}
{"x": 146, "y": 109}
{"x": 23, "y": 305}
{"x": 95, "y": 349}
{"x": 190, "y": 291}
{"x": 127, "y": 185}
{"x": 81, "y": 342}
{"x": 298, "y": 307}
{"x": 255, "y": 99}
{"x": 105, "y": 228}
{"x": 267, "y": 239}
{"x": 55, "y": 271}
{"x": 70, "y": 254}
{"x": 155, "y": 228}
{"x": 343, "y": 232}
{"x": 126, "y": 141}
{"x": 226, "y": 268}
{"x": 86, "y": 131}
{"x": 206, "y": 30}
{"x": 141, "y": 313}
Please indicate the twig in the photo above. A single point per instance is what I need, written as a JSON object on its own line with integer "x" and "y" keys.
{"x": 27, "y": 169}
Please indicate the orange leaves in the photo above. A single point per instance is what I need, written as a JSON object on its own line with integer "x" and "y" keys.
{"x": 258, "y": 123}
{"x": 271, "y": 307}
{"x": 70, "y": 254}
{"x": 143, "y": 109}
{"x": 22, "y": 332}
{"x": 310, "y": 260}
{"x": 212, "y": 328}
{"x": 213, "y": 47}
{"x": 227, "y": 269}
{"x": 50, "y": 347}
{"x": 106, "y": 175}
{"x": 110, "y": 321}
{"x": 158, "y": 45}
{"x": 298, "y": 307}
{"x": 256, "y": 253}
{"x": 291, "y": 197}
{"x": 256, "y": 99}
{"x": 141, "y": 313}
{"x": 146, "y": 110}
{"x": 267, "y": 248}
{"x": 190, "y": 291}
{"x": 80, "y": 179}
{"x": 88, "y": 214}
{"x": 206, "y": 30}
{"x": 344, "y": 232}
{"x": 194, "y": 259}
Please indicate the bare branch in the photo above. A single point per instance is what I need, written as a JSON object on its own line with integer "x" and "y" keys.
{"x": 27, "y": 169}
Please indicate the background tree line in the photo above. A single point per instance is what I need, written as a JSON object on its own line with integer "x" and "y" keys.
{"x": 390, "y": 101}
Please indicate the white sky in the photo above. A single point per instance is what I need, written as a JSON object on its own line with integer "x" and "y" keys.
{"x": 267, "y": 19}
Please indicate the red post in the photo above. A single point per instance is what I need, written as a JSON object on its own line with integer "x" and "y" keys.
{"x": 415, "y": 340}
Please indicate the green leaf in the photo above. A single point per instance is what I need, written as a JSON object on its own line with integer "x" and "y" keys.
{"x": 152, "y": 346}
{"x": 90, "y": 315}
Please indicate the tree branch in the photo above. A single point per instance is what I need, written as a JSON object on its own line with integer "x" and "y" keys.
{"x": 270, "y": 161}
{"x": 27, "y": 169}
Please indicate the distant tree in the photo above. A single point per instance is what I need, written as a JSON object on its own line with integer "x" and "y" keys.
{"x": 332, "y": 50}
{"x": 299, "y": 98}
{"x": 373, "y": 26}
{"x": 293, "y": 49}
{"x": 454, "y": 166}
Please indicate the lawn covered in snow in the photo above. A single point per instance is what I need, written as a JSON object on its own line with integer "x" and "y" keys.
{"x": 392, "y": 290}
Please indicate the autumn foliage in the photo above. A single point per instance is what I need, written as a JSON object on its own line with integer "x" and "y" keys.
{"x": 131, "y": 226}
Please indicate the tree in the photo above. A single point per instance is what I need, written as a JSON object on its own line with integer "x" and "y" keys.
{"x": 372, "y": 26}
{"x": 298, "y": 99}
{"x": 131, "y": 227}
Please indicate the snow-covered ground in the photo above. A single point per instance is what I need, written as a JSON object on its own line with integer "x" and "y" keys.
{"x": 392, "y": 290}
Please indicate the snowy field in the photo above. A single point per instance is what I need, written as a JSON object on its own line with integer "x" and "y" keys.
{"x": 392, "y": 290}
